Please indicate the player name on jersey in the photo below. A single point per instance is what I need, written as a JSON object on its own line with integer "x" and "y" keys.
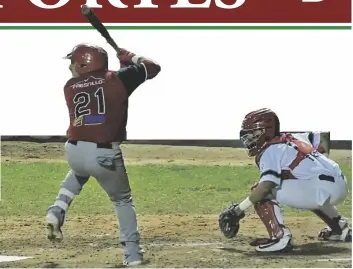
{"x": 178, "y": 11}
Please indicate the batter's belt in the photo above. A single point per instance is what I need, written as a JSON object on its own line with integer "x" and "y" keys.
{"x": 99, "y": 145}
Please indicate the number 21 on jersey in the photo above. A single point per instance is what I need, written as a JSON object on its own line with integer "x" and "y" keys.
{"x": 89, "y": 108}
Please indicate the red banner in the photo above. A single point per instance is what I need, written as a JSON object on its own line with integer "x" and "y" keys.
{"x": 178, "y": 11}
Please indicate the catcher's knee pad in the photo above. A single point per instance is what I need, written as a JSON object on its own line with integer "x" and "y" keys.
{"x": 270, "y": 215}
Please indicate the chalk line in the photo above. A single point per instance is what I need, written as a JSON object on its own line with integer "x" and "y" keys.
{"x": 12, "y": 258}
{"x": 201, "y": 244}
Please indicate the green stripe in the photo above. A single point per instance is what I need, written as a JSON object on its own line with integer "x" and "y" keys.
{"x": 175, "y": 27}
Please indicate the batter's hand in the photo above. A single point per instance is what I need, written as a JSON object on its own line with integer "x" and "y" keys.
{"x": 125, "y": 57}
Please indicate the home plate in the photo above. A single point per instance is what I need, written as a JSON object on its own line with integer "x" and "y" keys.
{"x": 12, "y": 258}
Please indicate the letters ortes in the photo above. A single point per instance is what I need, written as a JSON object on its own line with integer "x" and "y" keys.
{"x": 150, "y": 4}
{"x": 143, "y": 4}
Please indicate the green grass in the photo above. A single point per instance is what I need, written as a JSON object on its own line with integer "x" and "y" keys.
{"x": 29, "y": 188}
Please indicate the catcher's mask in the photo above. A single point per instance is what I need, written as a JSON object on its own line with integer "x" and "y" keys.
{"x": 258, "y": 127}
{"x": 86, "y": 58}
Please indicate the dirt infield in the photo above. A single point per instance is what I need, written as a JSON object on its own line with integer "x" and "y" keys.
{"x": 170, "y": 240}
{"x": 144, "y": 154}
{"x": 134, "y": 154}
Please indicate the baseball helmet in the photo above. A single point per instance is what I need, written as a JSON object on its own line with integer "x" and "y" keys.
{"x": 259, "y": 127}
{"x": 86, "y": 58}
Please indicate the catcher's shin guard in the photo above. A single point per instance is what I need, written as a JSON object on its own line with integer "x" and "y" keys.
{"x": 337, "y": 228}
{"x": 279, "y": 236}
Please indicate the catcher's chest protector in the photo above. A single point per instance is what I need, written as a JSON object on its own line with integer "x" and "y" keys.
{"x": 303, "y": 149}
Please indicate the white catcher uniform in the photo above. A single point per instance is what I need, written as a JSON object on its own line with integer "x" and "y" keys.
{"x": 301, "y": 178}
{"x": 305, "y": 179}
{"x": 318, "y": 181}
{"x": 313, "y": 138}
{"x": 314, "y": 141}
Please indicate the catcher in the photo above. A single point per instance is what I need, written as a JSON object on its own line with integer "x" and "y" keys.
{"x": 294, "y": 173}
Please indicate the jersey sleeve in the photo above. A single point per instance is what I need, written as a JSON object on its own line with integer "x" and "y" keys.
{"x": 310, "y": 137}
{"x": 316, "y": 139}
{"x": 132, "y": 76}
{"x": 305, "y": 137}
{"x": 270, "y": 165}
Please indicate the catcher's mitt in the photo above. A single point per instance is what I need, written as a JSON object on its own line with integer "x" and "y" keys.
{"x": 229, "y": 221}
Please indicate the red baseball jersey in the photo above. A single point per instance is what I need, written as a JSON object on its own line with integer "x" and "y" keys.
{"x": 98, "y": 103}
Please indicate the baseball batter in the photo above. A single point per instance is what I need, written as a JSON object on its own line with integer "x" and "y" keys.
{"x": 293, "y": 173}
{"x": 97, "y": 101}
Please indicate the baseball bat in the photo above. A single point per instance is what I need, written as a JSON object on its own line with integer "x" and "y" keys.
{"x": 98, "y": 25}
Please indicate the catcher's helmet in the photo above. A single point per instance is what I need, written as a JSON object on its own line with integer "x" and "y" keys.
{"x": 259, "y": 127}
{"x": 86, "y": 58}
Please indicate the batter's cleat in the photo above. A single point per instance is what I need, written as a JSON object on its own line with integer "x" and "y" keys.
{"x": 134, "y": 263}
{"x": 345, "y": 235}
{"x": 53, "y": 226}
{"x": 133, "y": 253}
{"x": 283, "y": 244}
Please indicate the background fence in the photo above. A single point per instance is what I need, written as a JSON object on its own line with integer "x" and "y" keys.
{"x": 335, "y": 144}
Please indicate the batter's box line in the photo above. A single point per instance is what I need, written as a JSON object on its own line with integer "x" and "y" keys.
{"x": 204, "y": 244}
{"x": 201, "y": 244}
{"x": 220, "y": 244}
{"x": 334, "y": 260}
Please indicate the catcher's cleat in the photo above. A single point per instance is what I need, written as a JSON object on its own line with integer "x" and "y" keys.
{"x": 345, "y": 235}
{"x": 53, "y": 226}
{"x": 282, "y": 244}
{"x": 260, "y": 241}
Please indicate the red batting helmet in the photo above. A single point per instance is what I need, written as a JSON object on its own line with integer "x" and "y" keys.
{"x": 86, "y": 58}
{"x": 259, "y": 127}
